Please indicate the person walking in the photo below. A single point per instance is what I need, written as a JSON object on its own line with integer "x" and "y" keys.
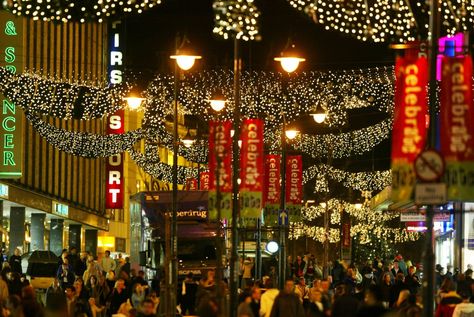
{"x": 268, "y": 298}
{"x": 15, "y": 261}
{"x": 287, "y": 303}
{"x": 107, "y": 264}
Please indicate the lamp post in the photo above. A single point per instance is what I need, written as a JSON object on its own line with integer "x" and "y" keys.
{"x": 184, "y": 60}
{"x": 289, "y": 61}
{"x": 217, "y": 103}
{"x": 234, "y": 258}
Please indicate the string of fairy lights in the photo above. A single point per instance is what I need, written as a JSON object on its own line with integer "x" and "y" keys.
{"x": 367, "y": 223}
{"x": 388, "y": 20}
{"x": 78, "y": 11}
{"x": 83, "y": 143}
{"x": 362, "y": 181}
{"x": 236, "y": 18}
{"x": 59, "y": 98}
{"x": 346, "y": 144}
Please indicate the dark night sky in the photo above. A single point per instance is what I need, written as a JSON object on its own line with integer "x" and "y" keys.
{"x": 151, "y": 36}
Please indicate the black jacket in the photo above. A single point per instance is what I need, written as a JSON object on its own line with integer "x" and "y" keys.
{"x": 287, "y": 305}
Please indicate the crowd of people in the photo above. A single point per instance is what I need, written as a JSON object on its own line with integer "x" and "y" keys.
{"x": 82, "y": 287}
{"x": 110, "y": 287}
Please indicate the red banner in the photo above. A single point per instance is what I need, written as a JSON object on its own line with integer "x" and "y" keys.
{"x": 294, "y": 185}
{"x": 346, "y": 235}
{"x": 409, "y": 126}
{"x": 457, "y": 123}
{"x": 114, "y": 166}
{"x": 220, "y": 168}
{"x": 191, "y": 183}
{"x": 251, "y": 168}
{"x": 204, "y": 181}
{"x": 272, "y": 180}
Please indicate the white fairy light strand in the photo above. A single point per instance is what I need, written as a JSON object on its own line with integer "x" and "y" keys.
{"x": 54, "y": 97}
{"x": 236, "y": 18}
{"x": 83, "y": 143}
{"x": 362, "y": 181}
{"x": 345, "y": 144}
{"x": 78, "y": 11}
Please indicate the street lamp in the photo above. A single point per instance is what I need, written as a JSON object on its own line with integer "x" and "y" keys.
{"x": 185, "y": 56}
{"x": 289, "y": 58}
{"x": 184, "y": 60}
{"x": 217, "y": 101}
{"x": 188, "y": 140}
{"x": 291, "y": 133}
{"x": 319, "y": 114}
{"x": 134, "y": 102}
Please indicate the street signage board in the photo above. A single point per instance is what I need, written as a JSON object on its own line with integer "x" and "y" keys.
{"x": 430, "y": 194}
{"x": 429, "y": 166}
{"x": 283, "y": 218}
{"x": 420, "y": 217}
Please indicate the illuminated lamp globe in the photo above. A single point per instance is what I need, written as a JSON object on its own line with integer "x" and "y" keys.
{"x": 272, "y": 247}
{"x": 291, "y": 133}
{"x": 319, "y": 115}
{"x": 217, "y": 101}
{"x": 188, "y": 140}
{"x": 184, "y": 56}
{"x": 289, "y": 59}
{"x": 134, "y": 102}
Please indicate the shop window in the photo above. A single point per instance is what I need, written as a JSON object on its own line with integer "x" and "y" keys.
{"x": 120, "y": 244}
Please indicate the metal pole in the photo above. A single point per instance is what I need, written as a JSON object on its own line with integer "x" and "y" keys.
{"x": 282, "y": 236}
{"x": 219, "y": 276}
{"x": 234, "y": 268}
{"x": 258, "y": 251}
{"x": 428, "y": 269}
{"x": 174, "y": 223}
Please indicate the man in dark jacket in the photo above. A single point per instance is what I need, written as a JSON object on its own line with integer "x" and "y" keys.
{"x": 345, "y": 305}
{"x": 119, "y": 296}
{"x": 412, "y": 281}
{"x": 55, "y": 298}
{"x": 15, "y": 261}
{"x": 287, "y": 303}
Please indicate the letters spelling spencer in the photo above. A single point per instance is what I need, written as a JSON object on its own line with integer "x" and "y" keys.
{"x": 411, "y": 133}
{"x": 460, "y": 135}
{"x": 9, "y": 111}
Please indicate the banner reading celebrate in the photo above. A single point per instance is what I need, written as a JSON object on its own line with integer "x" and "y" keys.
{"x": 272, "y": 188}
{"x": 457, "y": 143}
{"x": 409, "y": 125}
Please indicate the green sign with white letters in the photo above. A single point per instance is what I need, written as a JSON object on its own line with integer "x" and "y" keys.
{"x": 11, "y": 57}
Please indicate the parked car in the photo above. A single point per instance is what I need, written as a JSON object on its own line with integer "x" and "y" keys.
{"x": 42, "y": 268}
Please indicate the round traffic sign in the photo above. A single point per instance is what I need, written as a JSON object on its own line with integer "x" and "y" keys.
{"x": 429, "y": 166}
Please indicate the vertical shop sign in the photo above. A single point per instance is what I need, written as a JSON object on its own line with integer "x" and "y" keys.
{"x": 294, "y": 186}
{"x": 272, "y": 188}
{"x": 409, "y": 126}
{"x": 11, "y": 48}
{"x": 115, "y": 123}
{"x": 220, "y": 168}
{"x": 251, "y": 168}
{"x": 457, "y": 116}
{"x": 204, "y": 181}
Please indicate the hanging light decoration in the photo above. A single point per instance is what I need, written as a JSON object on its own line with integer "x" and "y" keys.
{"x": 217, "y": 101}
{"x": 289, "y": 58}
{"x": 319, "y": 114}
{"x": 185, "y": 56}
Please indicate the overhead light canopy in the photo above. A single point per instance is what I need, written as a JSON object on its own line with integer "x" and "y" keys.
{"x": 185, "y": 56}
{"x": 289, "y": 58}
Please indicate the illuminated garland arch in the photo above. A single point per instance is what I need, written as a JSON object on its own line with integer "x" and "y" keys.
{"x": 83, "y": 143}
{"x": 386, "y": 21}
{"x": 54, "y": 97}
{"x": 78, "y": 11}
